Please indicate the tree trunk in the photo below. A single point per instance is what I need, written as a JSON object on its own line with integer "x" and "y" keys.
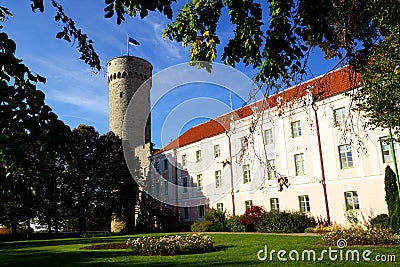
{"x": 28, "y": 228}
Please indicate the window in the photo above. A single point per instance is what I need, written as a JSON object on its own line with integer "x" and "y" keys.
{"x": 340, "y": 116}
{"x": 346, "y": 158}
{"x": 304, "y": 203}
{"x": 184, "y": 160}
{"x": 248, "y": 204}
{"x": 217, "y": 152}
{"x": 218, "y": 182}
{"x": 271, "y": 169}
{"x": 351, "y": 200}
{"x": 166, "y": 187}
{"x": 165, "y": 164}
{"x": 386, "y": 150}
{"x": 299, "y": 164}
{"x": 246, "y": 174}
{"x": 185, "y": 213}
{"x": 199, "y": 181}
{"x": 200, "y": 211}
{"x": 243, "y": 143}
{"x": 274, "y": 203}
{"x": 220, "y": 207}
{"x": 198, "y": 155}
{"x": 296, "y": 129}
{"x": 268, "y": 138}
{"x": 185, "y": 184}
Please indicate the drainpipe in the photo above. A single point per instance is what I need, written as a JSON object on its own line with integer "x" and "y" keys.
{"x": 321, "y": 160}
{"x": 231, "y": 171}
{"x": 175, "y": 180}
{"x": 394, "y": 161}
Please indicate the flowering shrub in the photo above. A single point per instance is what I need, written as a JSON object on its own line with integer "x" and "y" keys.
{"x": 171, "y": 245}
{"x": 250, "y": 217}
{"x": 359, "y": 235}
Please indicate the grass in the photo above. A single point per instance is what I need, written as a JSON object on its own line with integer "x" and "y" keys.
{"x": 232, "y": 250}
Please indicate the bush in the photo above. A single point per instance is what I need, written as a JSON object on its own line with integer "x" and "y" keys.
{"x": 382, "y": 220}
{"x": 359, "y": 235}
{"x": 250, "y": 217}
{"x": 320, "y": 229}
{"x": 5, "y": 230}
{"x": 171, "y": 245}
{"x": 284, "y": 222}
{"x": 214, "y": 221}
{"x": 309, "y": 230}
{"x": 200, "y": 226}
{"x": 233, "y": 224}
{"x": 217, "y": 219}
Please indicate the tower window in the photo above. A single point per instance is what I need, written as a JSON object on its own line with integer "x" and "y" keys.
{"x": 120, "y": 94}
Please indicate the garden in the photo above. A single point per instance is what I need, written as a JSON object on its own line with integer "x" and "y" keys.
{"x": 229, "y": 249}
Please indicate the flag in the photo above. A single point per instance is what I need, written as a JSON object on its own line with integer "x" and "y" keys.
{"x": 133, "y": 41}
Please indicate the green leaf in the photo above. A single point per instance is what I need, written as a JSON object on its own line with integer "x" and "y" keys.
{"x": 60, "y": 35}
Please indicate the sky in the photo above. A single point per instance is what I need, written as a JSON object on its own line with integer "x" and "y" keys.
{"x": 79, "y": 96}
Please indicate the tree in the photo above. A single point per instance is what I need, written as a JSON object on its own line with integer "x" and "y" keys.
{"x": 82, "y": 175}
{"x": 392, "y": 199}
{"x": 380, "y": 95}
{"x": 25, "y": 121}
{"x": 127, "y": 194}
{"x": 357, "y": 32}
{"x": 117, "y": 195}
{"x": 51, "y": 173}
{"x": 277, "y": 45}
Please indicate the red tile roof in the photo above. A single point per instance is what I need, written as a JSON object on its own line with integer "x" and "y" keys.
{"x": 327, "y": 85}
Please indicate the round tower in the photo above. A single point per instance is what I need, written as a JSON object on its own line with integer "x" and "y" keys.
{"x": 125, "y": 74}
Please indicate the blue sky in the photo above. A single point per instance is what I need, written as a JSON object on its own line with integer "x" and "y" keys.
{"x": 77, "y": 95}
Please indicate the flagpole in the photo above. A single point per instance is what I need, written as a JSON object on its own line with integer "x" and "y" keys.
{"x": 127, "y": 44}
{"x": 230, "y": 99}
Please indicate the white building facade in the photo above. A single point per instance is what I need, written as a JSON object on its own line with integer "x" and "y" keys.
{"x": 268, "y": 154}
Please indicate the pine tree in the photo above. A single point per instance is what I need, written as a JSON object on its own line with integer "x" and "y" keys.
{"x": 392, "y": 199}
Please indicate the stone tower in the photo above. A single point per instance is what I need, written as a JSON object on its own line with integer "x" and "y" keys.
{"x": 125, "y": 75}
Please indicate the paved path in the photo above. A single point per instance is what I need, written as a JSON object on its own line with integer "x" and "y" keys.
{"x": 257, "y": 233}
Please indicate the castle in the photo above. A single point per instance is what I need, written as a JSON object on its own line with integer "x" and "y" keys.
{"x": 302, "y": 149}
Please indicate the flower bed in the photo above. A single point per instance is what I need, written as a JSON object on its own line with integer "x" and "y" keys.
{"x": 359, "y": 235}
{"x": 171, "y": 245}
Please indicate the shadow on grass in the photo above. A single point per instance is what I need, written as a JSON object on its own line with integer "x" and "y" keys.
{"x": 119, "y": 257}
{"x": 59, "y": 242}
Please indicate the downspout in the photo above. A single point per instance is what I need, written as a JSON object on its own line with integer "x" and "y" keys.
{"x": 231, "y": 172}
{"x": 175, "y": 180}
{"x": 321, "y": 160}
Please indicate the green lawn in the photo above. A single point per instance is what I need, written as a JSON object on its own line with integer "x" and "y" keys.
{"x": 232, "y": 250}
